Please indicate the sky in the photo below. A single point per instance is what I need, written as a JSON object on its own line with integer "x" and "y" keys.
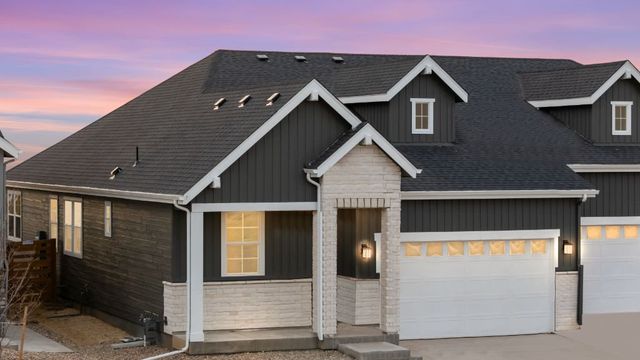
{"x": 64, "y": 64}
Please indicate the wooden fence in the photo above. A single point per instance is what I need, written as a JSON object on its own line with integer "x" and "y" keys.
{"x": 36, "y": 264}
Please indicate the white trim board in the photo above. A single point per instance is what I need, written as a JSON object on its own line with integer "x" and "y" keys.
{"x": 365, "y": 134}
{"x": 313, "y": 90}
{"x": 497, "y": 194}
{"x": 263, "y": 206}
{"x": 425, "y": 66}
{"x": 627, "y": 70}
{"x": 9, "y": 148}
{"x": 479, "y": 235}
{"x": 628, "y": 120}
{"x": 588, "y": 168}
{"x": 610, "y": 220}
{"x": 83, "y": 190}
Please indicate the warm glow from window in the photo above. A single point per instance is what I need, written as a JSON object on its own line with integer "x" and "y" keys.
{"x": 516, "y": 247}
{"x": 455, "y": 248}
{"x": 631, "y": 232}
{"x": 73, "y": 227}
{"x": 497, "y": 247}
{"x": 476, "y": 248}
{"x": 243, "y": 241}
{"x": 434, "y": 249}
{"x": 594, "y": 232}
{"x": 412, "y": 249}
{"x": 612, "y": 232}
{"x": 53, "y": 218}
{"x": 538, "y": 247}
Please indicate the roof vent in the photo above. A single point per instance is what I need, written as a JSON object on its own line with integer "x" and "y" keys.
{"x": 244, "y": 100}
{"x": 338, "y": 59}
{"x": 217, "y": 104}
{"x": 117, "y": 170}
{"x": 272, "y": 98}
{"x": 300, "y": 58}
{"x": 262, "y": 57}
{"x": 135, "y": 163}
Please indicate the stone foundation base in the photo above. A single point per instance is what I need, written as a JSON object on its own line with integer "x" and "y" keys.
{"x": 566, "y": 300}
{"x": 358, "y": 301}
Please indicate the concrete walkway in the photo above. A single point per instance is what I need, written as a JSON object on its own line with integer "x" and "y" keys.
{"x": 611, "y": 337}
{"x": 33, "y": 342}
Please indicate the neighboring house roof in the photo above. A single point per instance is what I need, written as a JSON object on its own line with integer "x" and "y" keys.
{"x": 8, "y": 148}
{"x": 575, "y": 85}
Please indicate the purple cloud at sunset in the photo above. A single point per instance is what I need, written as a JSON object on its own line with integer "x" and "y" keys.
{"x": 64, "y": 64}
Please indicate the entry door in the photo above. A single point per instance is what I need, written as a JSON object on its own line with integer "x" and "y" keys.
{"x": 476, "y": 288}
{"x": 611, "y": 259}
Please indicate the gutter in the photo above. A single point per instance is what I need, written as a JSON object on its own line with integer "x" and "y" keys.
{"x": 188, "y": 298}
{"x": 319, "y": 329}
{"x": 498, "y": 194}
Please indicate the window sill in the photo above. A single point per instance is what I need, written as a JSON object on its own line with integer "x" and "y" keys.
{"x": 77, "y": 256}
{"x": 422, "y": 132}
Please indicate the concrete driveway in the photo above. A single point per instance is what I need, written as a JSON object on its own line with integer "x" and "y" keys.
{"x": 610, "y": 337}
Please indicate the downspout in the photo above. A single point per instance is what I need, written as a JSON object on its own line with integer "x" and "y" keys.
{"x": 188, "y": 304}
{"x": 320, "y": 265}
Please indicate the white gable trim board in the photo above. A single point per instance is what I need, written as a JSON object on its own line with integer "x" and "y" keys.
{"x": 425, "y": 66}
{"x": 601, "y": 168}
{"x": 498, "y": 194}
{"x": 626, "y": 71}
{"x": 9, "y": 148}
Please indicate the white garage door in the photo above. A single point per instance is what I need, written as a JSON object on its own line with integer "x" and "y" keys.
{"x": 476, "y": 288}
{"x": 611, "y": 259}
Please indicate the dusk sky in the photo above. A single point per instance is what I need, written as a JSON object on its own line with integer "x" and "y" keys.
{"x": 64, "y": 64}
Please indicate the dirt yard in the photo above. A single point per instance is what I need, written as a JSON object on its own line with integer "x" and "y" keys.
{"x": 91, "y": 339}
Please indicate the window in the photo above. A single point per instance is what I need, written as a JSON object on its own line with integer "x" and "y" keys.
{"x": 53, "y": 218}
{"x": 497, "y": 247}
{"x": 538, "y": 247}
{"x": 455, "y": 248}
{"x": 14, "y": 212}
{"x": 612, "y": 232}
{"x": 412, "y": 249}
{"x": 631, "y": 232}
{"x": 107, "y": 218}
{"x": 516, "y": 247}
{"x": 621, "y": 117}
{"x": 73, "y": 227}
{"x": 434, "y": 249}
{"x": 242, "y": 243}
{"x": 476, "y": 248}
{"x": 594, "y": 232}
{"x": 422, "y": 116}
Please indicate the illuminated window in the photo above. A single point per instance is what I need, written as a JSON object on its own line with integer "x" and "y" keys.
{"x": 14, "y": 212}
{"x": 476, "y": 248}
{"x": 621, "y": 117}
{"x": 455, "y": 248}
{"x": 497, "y": 247}
{"x": 73, "y": 227}
{"x": 422, "y": 116}
{"x": 434, "y": 249}
{"x": 242, "y": 243}
{"x": 594, "y": 232}
{"x": 412, "y": 249}
{"x": 53, "y": 218}
{"x": 107, "y": 218}
{"x": 516, "y": 247}
{"x": 612, "y": 232}
{"x": 631, "y": 232}
{"x": 538, "y": 247}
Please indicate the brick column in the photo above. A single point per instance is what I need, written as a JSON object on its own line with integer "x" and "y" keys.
{"x": 389, "y": 276}
{"x": 330, "y": 267}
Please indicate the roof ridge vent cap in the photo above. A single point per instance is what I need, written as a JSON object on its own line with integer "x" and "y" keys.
{"x": 300, "y": 58}
{"x": 262, "y": 57}
{"x": 273, "y": 98}
{"x": 338, "y": 59}
{"x": 218, "y": 103}
{"x": 244, "y": 100}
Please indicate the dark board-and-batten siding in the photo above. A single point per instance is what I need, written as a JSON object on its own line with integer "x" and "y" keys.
{"x": 393, "y": 119}
{"x": 495, "y": 215}
{"x": 577, "y": 118}
{"x": 619, "y": 194}
{"x": 273, "y": 169}
{"x": 601, "y": 128}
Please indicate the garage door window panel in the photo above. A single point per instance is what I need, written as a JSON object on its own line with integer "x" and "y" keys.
{"x": 594, "y": 232}
{"x": 612, "y": 232}
{"x": 476, "y": 248}
{"x": 538, "y": 247}
{"x": 631, "y": 232}
{"x": 434, "y": 248}
{"x": 412, "y": 249}
{"x": 455, "y": 248}
{"x": 517, "y": 247}
{"x": 497, "y": 247}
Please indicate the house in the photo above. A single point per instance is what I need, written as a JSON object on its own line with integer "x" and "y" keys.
{"x": 425, "y": 196}
{"x": 9, "y": 154}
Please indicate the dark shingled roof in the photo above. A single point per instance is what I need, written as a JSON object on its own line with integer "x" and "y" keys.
{"x": 337, "y": 144}
{"x": 571, "y": 82}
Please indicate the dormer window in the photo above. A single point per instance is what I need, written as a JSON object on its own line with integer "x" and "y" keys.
{"x": 422, "y": 116}
{"x": 621, "y": 117}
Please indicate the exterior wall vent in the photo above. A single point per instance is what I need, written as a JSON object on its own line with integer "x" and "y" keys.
{"x": 272, "y": 98}
{"x": 217, "y": 104}
{"x": 300, "y": 58}
{"x": 338, "y": 59}
{"x": 117, "y": 170}
{"x": 244, "y": 100}
{"x": 262, "y": 57}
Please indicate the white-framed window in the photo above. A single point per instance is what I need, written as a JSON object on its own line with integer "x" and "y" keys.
{"x": 422, "y": 115}
{"x": 53, "y": 217}
{"x": 107, "y": 218}
{"x": 621, "y": 117}
{"x": 73, "y": 227}
{"x": 14, "y": 215}
{"x": 242, "y": 243}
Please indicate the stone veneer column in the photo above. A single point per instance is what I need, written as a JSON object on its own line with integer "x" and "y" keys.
{"x": 389, "y": 272}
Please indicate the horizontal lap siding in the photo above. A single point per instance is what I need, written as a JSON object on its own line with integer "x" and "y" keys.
{"x": 619, "y": 194}
{"x": 495, "y": 215}
{"x": 623, "y": 90}
{"x": 273, "y": 169}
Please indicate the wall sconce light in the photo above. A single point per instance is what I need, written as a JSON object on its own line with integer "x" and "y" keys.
{"x": 366, "y": 251}
{"x": 567, "y": 247}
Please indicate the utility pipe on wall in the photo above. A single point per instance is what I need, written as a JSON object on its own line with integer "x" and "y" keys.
{"x": 319, "y": 252}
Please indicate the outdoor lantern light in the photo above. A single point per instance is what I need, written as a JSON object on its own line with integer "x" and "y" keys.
{"x": 567, "y": 247}
{"x": 366, "y": 251}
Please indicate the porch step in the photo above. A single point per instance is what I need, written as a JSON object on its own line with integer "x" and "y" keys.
{"x": 376, "y": 351}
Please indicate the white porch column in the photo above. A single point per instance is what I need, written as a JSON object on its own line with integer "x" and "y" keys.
{"x": 196, "y": 250}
